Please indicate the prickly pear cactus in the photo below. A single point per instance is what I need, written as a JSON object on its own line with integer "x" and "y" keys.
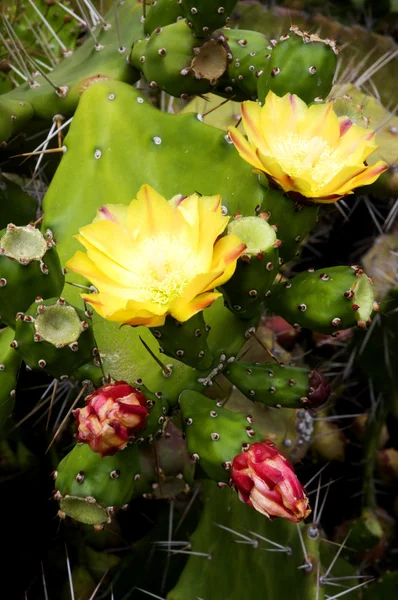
{"x": 198, "y": 296}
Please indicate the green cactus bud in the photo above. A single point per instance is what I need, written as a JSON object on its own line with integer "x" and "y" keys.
{"x": 10, "y": 362}
{"x": 162, "y": 13}
{"x": 249, "y": 51}
{"x": 29, "y": 268}
{"x": 55, "y": 337}
{"x": 204, "y": 16}
{"x": 255, "y": 270}
{"x": 173, "y": 60}
{"x": 279, "y": 385}
{"x": 326, "y": 300}
{"x": 90, "y": 488}
{"x": 186, "y": 341}
{"x": 301, "y": 64}
{"x": 214, "y": 434}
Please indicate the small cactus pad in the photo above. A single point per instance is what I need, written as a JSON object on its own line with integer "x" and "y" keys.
{"x": 301, "y": 64}
{"x": 162, "y": 13}
{"x": 9, "y": 366}
{"x": 326, "y": 300}
{"x": 186, "y": 341}
{"x": 54, "y": 336}
{"x": 250, "y": 52}
{"x": 292, "y": 221}
{"x": 173, "y": 60}
{"x": 204, "y": 16}
{"x": 278, "y": 385}
{"x": 214, "y": 434}
{"x": 90, "y": 488}
{"x": 29, "y": 268}
{"x": 256, "y": 268}
{"x": 158, "y": 409}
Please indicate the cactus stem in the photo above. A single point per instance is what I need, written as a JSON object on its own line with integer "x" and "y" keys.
{"x": 166, "y": 370}
{"x": 81, "y": 393}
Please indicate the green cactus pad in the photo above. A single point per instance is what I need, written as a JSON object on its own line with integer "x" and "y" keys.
{"x": 10, "y": 362}
{"x": 256, "y": 269}
{"x": 134, "y": 140}
{"x": 175, "y": 61}
{"x": 256, "y": 568}
{"x": 187, "y": 342}
{"x": 300, "y": 64}
{"x": 158, "y": 409}
{"x": 278, "y": 385}
{"x": 55, "y": 337}
{"x": 214, "y": 434}
{"x": 292, "y": 221}
{"x": 90, "y": 488}
{"x": 205, "y": 16}
{"x": 161, "y": 13}
{"x": 326, "y": 300}
{"x": 29, "y": 268}
{"x": 250, "y": 52}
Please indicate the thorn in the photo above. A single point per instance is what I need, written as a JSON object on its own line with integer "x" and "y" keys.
{"x": 255, "y": 336}
{"x": 51, "y": 151}
{"x": 249, "y": 540}
{"x": 85, "y": 386}
{"x": 149, "y": 593}
{"x": 73, "y": 14}
{"x": 165, "y": 369}
{"x": 44, "y": 582}
{"x": 348, "y": 591}
{"x": 218, "y": 106}
{"x": 65, "y": 51}
{"x": 99, "y": 585}
{"x": 335, "y": 557}
{"x": 51, "y": 403}
{"x": 72, "y": 593}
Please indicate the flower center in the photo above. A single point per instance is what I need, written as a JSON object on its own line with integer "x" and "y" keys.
{"x": 307, "y": 157}
{"x": 161, "y": 268}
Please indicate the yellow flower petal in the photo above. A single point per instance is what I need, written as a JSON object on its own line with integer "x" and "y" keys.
{"x": 112, "y": 212}
{"x": 306, "y": 151}
{"x": 110, "y": 239}
{"x": 244, "y": 148}
{"x": 226, "y": 252}
{"x": 156, "y": 258}
{"x": 184, "y": 311}
{"x": 320, "y": 121}
{"x": 113, "y": 308}
{"x": 280, "y": 115}
{"x": 251, "y": 119}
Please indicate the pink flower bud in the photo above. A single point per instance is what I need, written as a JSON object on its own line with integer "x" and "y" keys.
{"x": 266, "y": 481}
{"x": 113, "y": 414}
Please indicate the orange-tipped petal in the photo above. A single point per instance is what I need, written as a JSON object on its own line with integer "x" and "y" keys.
{"x": 244, "y": 148}
{"x": 183, "y": 311}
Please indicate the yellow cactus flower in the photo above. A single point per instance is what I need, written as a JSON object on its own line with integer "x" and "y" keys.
{"x": 308, "y": 151}
{"x": 155, "y": 258}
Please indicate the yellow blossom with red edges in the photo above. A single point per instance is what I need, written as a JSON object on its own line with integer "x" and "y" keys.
{"x": 155, "y": 257}
{"x": 307, "y": 151}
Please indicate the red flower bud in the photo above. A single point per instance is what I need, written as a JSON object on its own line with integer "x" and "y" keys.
{"x": 113, "y": 414}
{"x": 266, "y": 481}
